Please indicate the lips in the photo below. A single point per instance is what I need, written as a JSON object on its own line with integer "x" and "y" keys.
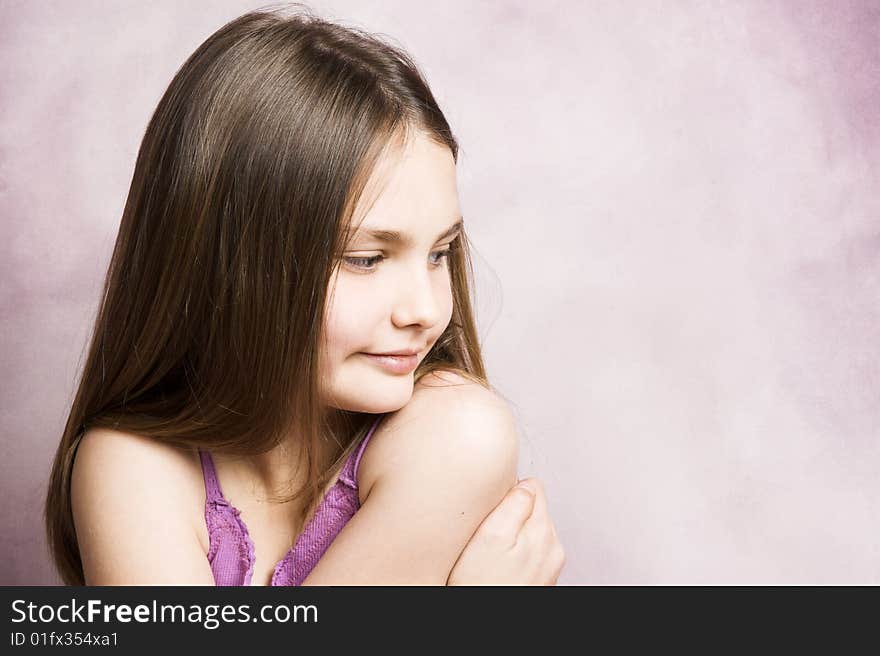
{"x": 401, "y": 353}
{"x": 395, "y": 364}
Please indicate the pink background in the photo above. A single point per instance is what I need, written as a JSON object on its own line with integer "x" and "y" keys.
{"x": 676, "y": 214}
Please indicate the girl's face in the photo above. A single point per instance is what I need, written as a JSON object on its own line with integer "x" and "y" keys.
{"x": 392, "y": 294}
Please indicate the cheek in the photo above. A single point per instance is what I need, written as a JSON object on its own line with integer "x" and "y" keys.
{"x": 346, "y": 320}
{"x": 446, "y": 314}
{"x": 341, "y": 338}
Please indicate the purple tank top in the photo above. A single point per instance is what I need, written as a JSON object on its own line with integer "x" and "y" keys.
{"x": 231, "y": 552}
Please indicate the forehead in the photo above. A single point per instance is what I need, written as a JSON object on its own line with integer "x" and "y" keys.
{"x": 412, "y": 190}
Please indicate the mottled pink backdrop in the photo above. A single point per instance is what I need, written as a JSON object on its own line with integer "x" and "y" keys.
{"x": 676, "y": 214}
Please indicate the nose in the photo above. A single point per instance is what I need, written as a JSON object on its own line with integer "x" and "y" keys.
{"x": 417, "y": 300}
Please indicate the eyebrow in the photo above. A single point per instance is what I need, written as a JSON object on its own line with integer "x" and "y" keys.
{"x": 396, "y": 237}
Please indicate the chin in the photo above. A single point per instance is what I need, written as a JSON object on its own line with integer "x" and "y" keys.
{"x": 375, "y": 394}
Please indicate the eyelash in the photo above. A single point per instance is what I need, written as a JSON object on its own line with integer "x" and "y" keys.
{"x": 378, "y": 258}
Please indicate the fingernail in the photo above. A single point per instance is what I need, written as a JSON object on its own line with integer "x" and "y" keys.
{"x": 525, "y": 485}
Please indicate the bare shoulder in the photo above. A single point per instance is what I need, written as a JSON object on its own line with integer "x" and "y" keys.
{"x": 433, "y": 470}
{"x": 101, "y": 443}
{"x": 137, "y": 464}
{"x": 122, "y": 487}
{"x": 449, "y": 419}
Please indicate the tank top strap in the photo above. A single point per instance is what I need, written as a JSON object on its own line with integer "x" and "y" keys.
{"x": 212, "y": 485}
{"x": 349, "y": 472}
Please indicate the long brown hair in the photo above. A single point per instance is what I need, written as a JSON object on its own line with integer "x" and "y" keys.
{"x": 208, "y": 331}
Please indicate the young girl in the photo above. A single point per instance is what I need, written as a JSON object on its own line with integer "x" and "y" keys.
{"x": 284, "y": 384}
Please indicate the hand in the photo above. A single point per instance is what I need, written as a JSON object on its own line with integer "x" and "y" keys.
{"x": 515, "y": 545}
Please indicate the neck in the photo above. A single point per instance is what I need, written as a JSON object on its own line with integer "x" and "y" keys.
{"x": 282, "y": 469}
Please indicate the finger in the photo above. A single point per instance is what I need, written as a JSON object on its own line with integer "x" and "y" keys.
{"x": 539, "y": 526}
{"x": 539, "y": 512}
{"x": 508, "y": 517}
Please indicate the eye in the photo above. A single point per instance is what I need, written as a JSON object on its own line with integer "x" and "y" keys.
{"x": 369, "y": 263}
{"x": 441, "y": 255}
{"x": 363, "y": 262}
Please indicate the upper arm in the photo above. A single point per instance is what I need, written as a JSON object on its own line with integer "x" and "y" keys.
{"x": 133, "y": 523}
{"x": 442, "y": 463}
